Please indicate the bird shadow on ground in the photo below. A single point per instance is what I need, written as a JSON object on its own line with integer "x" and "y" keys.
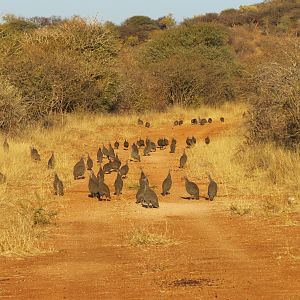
{"x": 191, "y": 198}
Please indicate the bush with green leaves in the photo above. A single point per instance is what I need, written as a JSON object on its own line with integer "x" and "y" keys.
{"x": 193, "y": 64}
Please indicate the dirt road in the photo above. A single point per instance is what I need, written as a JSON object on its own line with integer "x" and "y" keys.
{"x": 213, "y": 254}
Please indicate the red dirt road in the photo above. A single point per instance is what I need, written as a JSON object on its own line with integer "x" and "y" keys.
{"x": 215, "y": 255}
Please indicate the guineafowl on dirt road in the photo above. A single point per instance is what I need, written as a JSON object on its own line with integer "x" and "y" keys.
{"x": 126, "y": 145}
{"x": 212, "y": 189}
{"x": 149, "y": 197}
{"x": 93, "y": 185}
{"x": 183, "y": 160}
{"x": 79, "y": 169}
{"x": 207, "y": 140}
{"x": 104, "y": 190}
{"x": 167, "y": 184}
{"x": 116, "y": 145}
{"x": 192, "y": 189}
{"x": 124, "y": 170}
{"x": 58, "y": 186}
{"x": 89, "y": 163}
{"x": 173, "y": 146}
{"x": 100, "y": 174}
{"x": 118, "y": 184}
{"x": 99, "y": 155}
{"x": 135, "y": 153}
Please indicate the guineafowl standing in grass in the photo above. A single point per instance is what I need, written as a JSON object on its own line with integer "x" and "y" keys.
{"x": 140, "y": 143}
{"x": 183, "y": 160}
{"x": 212, "y": 189}
{"x": 124, "y": 170}
{"x": 93, "y": 186}
{"x": 189, "y": 142}
{"x": 140, "y": 122}
{"x": 126, "y": 145}
{"x": 115, "y": 164}
{"x": 180, "y": 122}
{"x": 51, "y": 161}
{"x": 194, "y": 141}
{"x": 153, "y": 146}
{"x": 34, "y": 154}
{"x": 173, "y": 146}
{"x": 2, "y": 178}
{"x": 79, "y": 169}
{"x": 207, "y": 140}
{"x": 167, "y": 184}
{"x": 222, "y": 119}
{"x": 147, "y": 124}
{"x": 118, "y": 184}
{"x": 192, "y": 189}
{"x": 176, "y": 123}
{"x": 116, "y": 145}
{"x": 99, "y": 156}
{"x": 5, "y": 146}
{"x": 89, "y": 163}
{"x": 58, "y": 186}
{"x": 143, "y": 179}
{"x": 209, "y": 120}
{"x": 194, "y": 121}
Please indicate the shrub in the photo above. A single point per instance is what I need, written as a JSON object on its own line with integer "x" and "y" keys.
{"x": 12, "y": 106}
{"x": 275, "y": 112}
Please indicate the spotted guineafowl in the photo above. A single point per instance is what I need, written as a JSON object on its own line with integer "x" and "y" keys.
{"x": 183, "y": 160}
{"x": 192, "y": 189}
{"x": 118, "y": 184}
{"x": 58, "y": 186}
{"x": 207, "y": 140}
{"x": 89, "y": 163}
{"x": 51, "y": 161}
{"x": 79, "y": 169}
{"x": 93, "y": 186}
{"x": 212, "y": 189}
{"x": 124, "y": 170}
{"x": 5, "y": 146}
{"x": 99, "y": 156}
{"x": 167, "y": 184}
{"x": 126, "y": 145}
{"x": 34, "y": 154}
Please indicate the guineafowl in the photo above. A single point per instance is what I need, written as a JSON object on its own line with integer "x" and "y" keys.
{"x": 99, "y": 155}
{"x": 183, "y": 160}
{"x": 140, "y": 122}
{"x": 207, "y": 140}
{"x": 176, "y": 123}
{"x": 51, "y": 161}
{"x": 147, "y": 150}
{"x": 111, "y": 151}
{"x": 135, "y": 153}
{"x": 118, "y": 184}
{"x": 5, "y": 145}
{"x": 104, "y": 190}
{"x": 153, "y": 146}
{"x": 105, "y": 151}
{"x": 147, "y": 124}
{"x": 222, "y": 119}
{"x": 58, "y": 186}
{"x": 124, "y": 170}
{"x": 180, "y": 122}
{"x": 2, "y": 178}
{"x": 212, "y": 189}
{"x": 194, "y": 121}
{"x": 100, "y": 174}
{"x": 192, "y": 189}
{"x": 116, "y": 145}
{"x": 143, "y": 179}
{"x": 126, "y": 145}
{"x": 167, "y": 184}
{"x": 89, "y": 163}
{"x": 209, "y": 120}
{"x": 140, "y": 143}
{"x": 107, "y": 168}
{"x": 34, "y": 154}
{"x": 173, "y": 146}
{"x": 149, "y": 197}
{"x": 79, "y": 169}
{"x": 115, "y": 164}
{"x": 189, "y": 142}
{"x": 194, "y": 141}
{"x": 93, "y": 185}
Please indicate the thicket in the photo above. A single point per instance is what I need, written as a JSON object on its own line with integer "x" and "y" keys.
{"x": 275, "y": 109}
{"x": 58, "y": 68}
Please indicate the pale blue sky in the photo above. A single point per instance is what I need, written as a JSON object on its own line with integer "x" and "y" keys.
{"x": 117, "y": 10}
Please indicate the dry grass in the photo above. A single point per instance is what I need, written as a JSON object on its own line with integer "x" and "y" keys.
{"x": 257, "y": 179}
{"x": 146, "y": 236}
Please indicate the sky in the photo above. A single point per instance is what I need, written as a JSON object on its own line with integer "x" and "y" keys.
{"x": 117, "y": 10}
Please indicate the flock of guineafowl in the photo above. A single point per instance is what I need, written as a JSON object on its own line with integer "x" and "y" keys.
{"x": 145, "y": 195}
